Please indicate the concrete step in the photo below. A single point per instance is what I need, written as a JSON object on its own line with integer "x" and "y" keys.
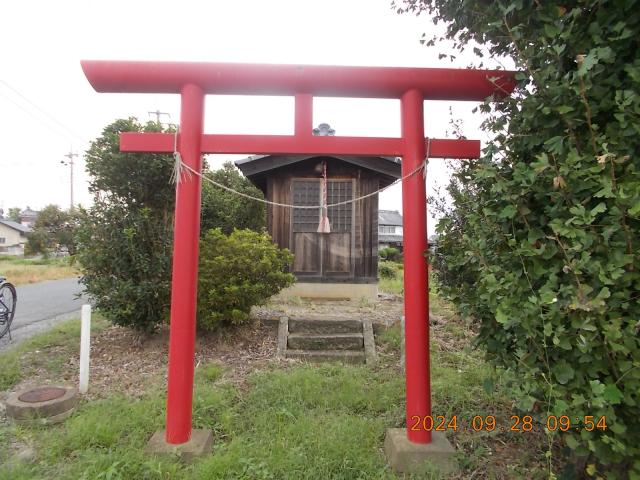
{"x": 336, "y": 341}
{"x": 344, "y": 356}
{"x": 324, "y": 326}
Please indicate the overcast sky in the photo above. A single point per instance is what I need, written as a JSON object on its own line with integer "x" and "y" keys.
{"x": 49, "y": 109}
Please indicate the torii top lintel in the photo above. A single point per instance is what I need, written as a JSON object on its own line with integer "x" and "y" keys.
{"x": 317, "y": 80}
{"x": 304, "y": 82}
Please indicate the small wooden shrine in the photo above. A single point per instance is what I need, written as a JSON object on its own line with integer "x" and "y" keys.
{"x": 334, "y": 245}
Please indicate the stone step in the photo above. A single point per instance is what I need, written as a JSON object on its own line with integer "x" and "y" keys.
{"x": 336, "y": 341}
{"x": 344, "y": 356}
{"x": 328, "y": 326}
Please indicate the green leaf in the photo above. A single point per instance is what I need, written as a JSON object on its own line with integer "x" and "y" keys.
{"x": 564, "y": 109}
{"x": 501, "y": 317}
{"x": 571, "y": 442}
{"x": 541, "y": 163}
{"x": 508, "y": 212}
{"x": 588, "y": 62}
{"x": 597, "y": 388}
{"x": 612, "y": 394}
{"x": 563, "y": 372}
{"x": 601, "y": 207}
{"x": 617, "y": 427}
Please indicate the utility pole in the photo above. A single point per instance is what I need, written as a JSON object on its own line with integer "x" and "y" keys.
{"x": 157, "y": 113}
{"x": 69, "y": 162}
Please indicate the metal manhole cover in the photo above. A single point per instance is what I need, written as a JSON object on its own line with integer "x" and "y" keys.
{"x": 43, "y": 394}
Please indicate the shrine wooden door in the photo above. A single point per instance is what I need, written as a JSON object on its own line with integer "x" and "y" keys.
{"x": 321, "y": 256}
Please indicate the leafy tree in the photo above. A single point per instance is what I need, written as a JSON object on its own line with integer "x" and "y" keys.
{"x": 38, "y": 242}
{"x": 238, "y": 271}
{"x": 14, "y": 214}
{"x": 125, "y": 255}
{"x": 53, "y": 229}
{"x": 125, "y": 237}
{"x": 135, "y": 180}
{"x": 225, "y": 210}
{"x": 541, "y": 245}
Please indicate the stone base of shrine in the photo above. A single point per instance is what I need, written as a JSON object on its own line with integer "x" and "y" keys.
{"x": 408, "y": 457}
{"x": 199, "y": 444}
{"x": 330, "y": 291}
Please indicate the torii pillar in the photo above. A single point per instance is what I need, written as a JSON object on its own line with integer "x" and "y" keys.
{"x": 410, "y": 85}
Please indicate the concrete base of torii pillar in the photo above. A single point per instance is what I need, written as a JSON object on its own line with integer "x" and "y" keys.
{"x": 408, "y": 457}
{"x": 198, "y": 445}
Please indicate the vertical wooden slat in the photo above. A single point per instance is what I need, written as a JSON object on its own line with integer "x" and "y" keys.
{"x": 358, "y": 251}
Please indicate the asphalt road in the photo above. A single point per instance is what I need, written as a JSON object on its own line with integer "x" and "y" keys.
{"x": 42, "y": 305}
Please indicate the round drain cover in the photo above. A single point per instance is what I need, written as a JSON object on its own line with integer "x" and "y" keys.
{"x": 43, "y": 394}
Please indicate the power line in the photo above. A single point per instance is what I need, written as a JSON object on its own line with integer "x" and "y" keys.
{"x": 33, "y": 115}
{"x": 42, "y": 110}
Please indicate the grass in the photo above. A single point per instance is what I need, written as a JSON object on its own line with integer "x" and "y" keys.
{"x": 391, "y": 285}
{"x": 20, "y": 271}
{"x": 295, "y": 421}
{"x": 392, "y": 282}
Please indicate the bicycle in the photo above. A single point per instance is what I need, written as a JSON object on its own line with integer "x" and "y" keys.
{"x": 8, "y": 300}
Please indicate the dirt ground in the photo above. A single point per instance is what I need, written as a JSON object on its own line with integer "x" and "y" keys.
{"x": 122, "y": 364}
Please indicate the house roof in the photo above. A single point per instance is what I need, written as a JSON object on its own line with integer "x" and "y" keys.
{"x": 256, "y": 167}
{"x": 389, "y": 217}
{"x": 389, "y": 238}
{"x": 16, "y": 226}
{"x": 29, "y": 213}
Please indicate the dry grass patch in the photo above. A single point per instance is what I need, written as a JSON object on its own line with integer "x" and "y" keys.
{"x": 21, "y": 271}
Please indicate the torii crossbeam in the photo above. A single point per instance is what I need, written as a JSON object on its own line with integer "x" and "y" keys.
{"x": 194, "y": 80}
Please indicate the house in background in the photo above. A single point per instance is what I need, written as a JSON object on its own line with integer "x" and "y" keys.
{"x": 28, "y": 217}
{"x": 389, "y": 229}
{"x": 340, "y": 261}
{"x": 13, "y": 237}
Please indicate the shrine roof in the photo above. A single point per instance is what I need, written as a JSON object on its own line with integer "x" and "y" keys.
{"x": 257, "y": 166}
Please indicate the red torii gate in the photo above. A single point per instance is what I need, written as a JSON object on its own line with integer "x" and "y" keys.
{"x": 193, "y": 80}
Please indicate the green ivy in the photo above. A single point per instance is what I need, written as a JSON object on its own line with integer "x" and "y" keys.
{"x": 541, "y": 243}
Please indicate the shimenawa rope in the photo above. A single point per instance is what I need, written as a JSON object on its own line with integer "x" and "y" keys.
{"x": 180, "y": 167}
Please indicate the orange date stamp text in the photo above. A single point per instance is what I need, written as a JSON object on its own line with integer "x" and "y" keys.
{"x": 516, "y": 423}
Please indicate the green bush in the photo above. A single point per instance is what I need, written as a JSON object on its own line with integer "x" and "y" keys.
{"x": 390, "y": 254}
{"x": 388, "y": 270}
{"x": 125, "y": 238}
{"x": 238, "y": 271}
{"x": 125, "y": 255}
{"x": 542, "y": 244}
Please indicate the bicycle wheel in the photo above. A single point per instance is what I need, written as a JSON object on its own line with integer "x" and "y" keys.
{"x": 8, "y": 300}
